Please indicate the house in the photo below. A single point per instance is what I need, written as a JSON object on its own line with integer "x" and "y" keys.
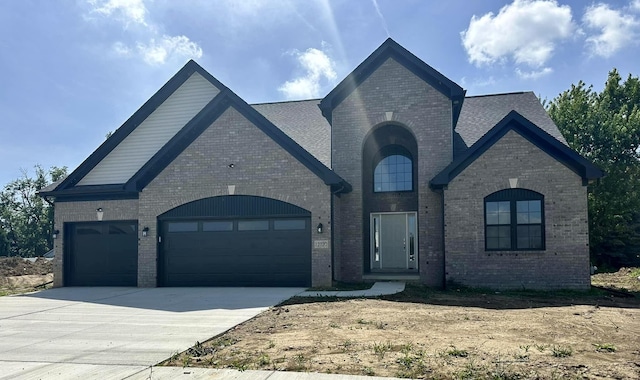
{"x": 395, "y": 174}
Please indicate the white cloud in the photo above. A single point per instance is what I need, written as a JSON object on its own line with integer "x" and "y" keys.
{"x": 318, "y": 67}
{"x": 149, "y": 44}
{"x": 615, "y": 30}
{"x": 534, "y": 74}
{"x": 157, "y": 52}
{"x": 125, "y": 10}
{"x": 526, "y": 31}
{"x": 635, "y": 5}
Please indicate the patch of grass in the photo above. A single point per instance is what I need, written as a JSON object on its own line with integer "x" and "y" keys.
{"x": 380, "y": 349}
{"x": 298, "y": 363}
{"x": 458, "y": 353}
{"x": 364, "y": 322}
{"x": 605, "y": 347}
{"x": 347, "y": 345}
{"x": 263, "y": 360}
{"x": 541, "y": 347}
{"x": 368, "y": 371}
{"x": 561, "y": 351}
{"x": 334, "y": 325}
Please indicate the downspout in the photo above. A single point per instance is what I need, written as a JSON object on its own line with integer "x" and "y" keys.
{"x": 444, "y": 246}
{"x": 333, "y": 243}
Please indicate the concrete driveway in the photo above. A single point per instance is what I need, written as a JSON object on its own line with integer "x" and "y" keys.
{"x": 112, "y": 333}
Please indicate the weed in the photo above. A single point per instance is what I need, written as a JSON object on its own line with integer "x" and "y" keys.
{"x": 540, "y": 347}
{"x": 298, "y": 363}
{"x": 364, "y": 322}
{"x": 186, "y": 360}
{"x": 380, "y": 349}
{"x": 406, "y": 348}
{"x": 347, "y": 345}
{"x": 368, "y": 371}
{"x": 605, "y": 347}
{"x": 334, "y": 325}
{"x": 271, "y": 344}
{"x": 264, "y": 359}
{"x": 561, "y": 351}
{"x": 525, "y": 348}
{"x": 380, "y": 325}
{"x": 458, "y": 353}
{"x": 240, "y": 364}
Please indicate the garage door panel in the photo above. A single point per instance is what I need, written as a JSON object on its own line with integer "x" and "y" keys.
{"x": 240, "y": 252}
{"x": 243, "y": 279}
{"x": 101, "y": 254}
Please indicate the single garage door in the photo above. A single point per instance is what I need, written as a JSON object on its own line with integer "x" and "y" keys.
{"x": 236, "y": 241}
{"x": 101, "y": 254}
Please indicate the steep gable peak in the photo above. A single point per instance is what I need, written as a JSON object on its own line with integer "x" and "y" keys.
{"x": 391, "y": 49}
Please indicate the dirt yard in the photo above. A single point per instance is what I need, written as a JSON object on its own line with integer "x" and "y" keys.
{"x": 457, "y": 334}
{"x": 19, "y": 276}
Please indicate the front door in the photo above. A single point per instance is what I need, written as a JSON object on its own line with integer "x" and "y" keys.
{"x": 394, "y": 242}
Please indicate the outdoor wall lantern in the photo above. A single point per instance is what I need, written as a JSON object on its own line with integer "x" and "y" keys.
{"x": 145, "y": 232}
{"x": 319, "y": 228}
{"x": 99, "y": 213}
{"x": 55, "y": 234}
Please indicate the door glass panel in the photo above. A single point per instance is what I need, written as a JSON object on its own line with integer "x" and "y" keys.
{"x": 289, "y": 224}
{"x": 225, "y": 225}
{"x": 122, "y": 229}
{"x": 253, "y": 225}
{"x": 375, "y": 246}
{"x": 87, "y": 230}
{"x": 183, "y": 227}
{"x": 412, "y": 233}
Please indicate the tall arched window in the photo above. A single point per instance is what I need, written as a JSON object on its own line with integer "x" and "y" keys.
{"x": 514, "y": 220}
{"x": 393, "y": 170}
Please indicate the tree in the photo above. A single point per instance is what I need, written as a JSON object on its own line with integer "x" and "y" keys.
{"x": 605, "y": 128}
{"x": 26, "y": 220}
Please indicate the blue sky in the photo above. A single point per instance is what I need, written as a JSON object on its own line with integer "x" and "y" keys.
{"x": 71, "y": 71}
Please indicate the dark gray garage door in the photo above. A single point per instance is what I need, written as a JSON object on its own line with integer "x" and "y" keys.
{"x": 101, "y": 254}
{"x": 248, "y": 241}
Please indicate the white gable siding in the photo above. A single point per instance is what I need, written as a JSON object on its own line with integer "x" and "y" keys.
{"x": 153, "y": 133}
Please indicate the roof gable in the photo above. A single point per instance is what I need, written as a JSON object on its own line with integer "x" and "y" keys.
{"x": 518, "y": 123}
{"x": 209, "y": 115}
{"x": 135, "y": 120}
{"x": 225, "y": 98}
{"x": 391, "y": 49}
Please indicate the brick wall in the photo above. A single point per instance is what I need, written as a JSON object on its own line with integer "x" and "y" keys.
{"x": 565, "y": 261}
{"x": 261, "y": 168}
{"x": 427, "y": 114}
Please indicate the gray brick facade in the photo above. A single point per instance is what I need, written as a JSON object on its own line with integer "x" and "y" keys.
{"x": 427, "y": 114}
{"x": 565, "y": 261}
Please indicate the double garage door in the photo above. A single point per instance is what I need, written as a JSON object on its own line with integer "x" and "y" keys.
{"x": 236, "y": 252}
{"x": 220, "y": 241}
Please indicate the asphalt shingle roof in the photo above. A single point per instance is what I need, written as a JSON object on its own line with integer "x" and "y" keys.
{"x": 304, "y": 123}
{"x": 480, "y": 113}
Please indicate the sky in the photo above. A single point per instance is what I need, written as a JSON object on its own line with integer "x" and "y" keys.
{"x": 73, "y": 70}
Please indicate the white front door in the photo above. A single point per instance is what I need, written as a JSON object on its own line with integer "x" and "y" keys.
{"x": 394, "y": 241}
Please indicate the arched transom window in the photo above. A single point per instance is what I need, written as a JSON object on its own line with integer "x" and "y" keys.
{"x": 393, "y": 172}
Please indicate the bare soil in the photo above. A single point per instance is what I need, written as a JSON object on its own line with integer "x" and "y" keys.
{"x": 18, "y": 275}
{"x": 454, "y": 334}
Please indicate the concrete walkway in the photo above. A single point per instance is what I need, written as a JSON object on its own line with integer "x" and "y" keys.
{"x": 378, "y": 289}
{"x": 170, "y": 373}
{"x": 113, "y": 333}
